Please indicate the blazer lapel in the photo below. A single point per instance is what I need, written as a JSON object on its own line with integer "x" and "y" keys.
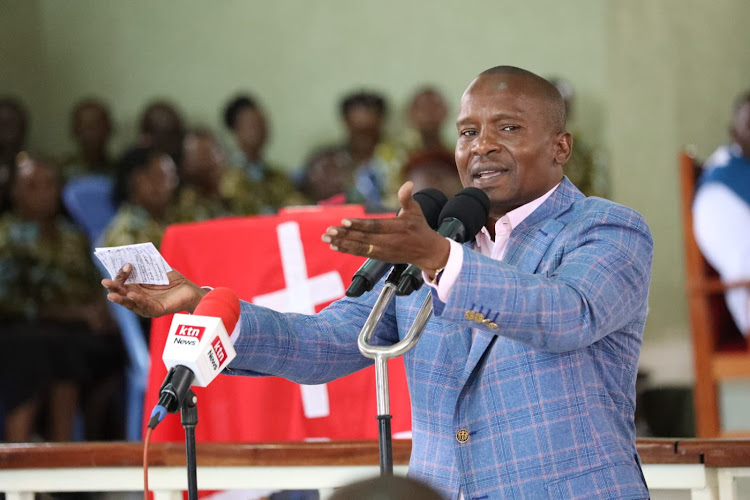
{"x": 530, "y": 240}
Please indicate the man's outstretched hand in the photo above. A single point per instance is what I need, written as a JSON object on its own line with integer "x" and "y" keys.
{"x": 406, "y": 238}
{"x": 153, "y": 301}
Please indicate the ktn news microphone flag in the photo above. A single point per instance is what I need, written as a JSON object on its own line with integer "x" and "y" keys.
{"x": 278, "y": 262}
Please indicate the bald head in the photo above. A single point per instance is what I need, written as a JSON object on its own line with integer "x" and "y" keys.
{"x": 547, "y": 94}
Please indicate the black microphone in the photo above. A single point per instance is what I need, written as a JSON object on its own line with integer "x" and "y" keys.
{"x": 461, "y": 219}
{"x": 431, "y": 201}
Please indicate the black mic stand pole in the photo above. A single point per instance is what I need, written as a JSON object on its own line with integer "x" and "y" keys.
{"x": 381, "y": 355}
{"x": 189, "y": 419}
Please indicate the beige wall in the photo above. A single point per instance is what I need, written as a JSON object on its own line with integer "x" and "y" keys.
{"x": 651, "y": 75}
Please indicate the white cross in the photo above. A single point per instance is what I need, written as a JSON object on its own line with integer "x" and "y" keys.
{"x": 301, "y": 295}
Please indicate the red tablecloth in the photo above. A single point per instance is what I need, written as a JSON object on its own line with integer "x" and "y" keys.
{"x": 245, "y": 254}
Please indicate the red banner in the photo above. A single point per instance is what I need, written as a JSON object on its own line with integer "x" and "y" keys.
{"x": 278, "y": 262}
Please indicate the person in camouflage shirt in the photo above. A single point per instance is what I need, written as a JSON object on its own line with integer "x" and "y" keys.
{"x": 144, "y": 192}
{"x": 49, "y": 302}
{"x": 256, "y": 186}
{"x": 201, "y": 171}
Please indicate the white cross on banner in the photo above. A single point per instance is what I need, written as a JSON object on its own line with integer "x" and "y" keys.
{"x": 278, "y": 262}
{"x": 301, "y": 295}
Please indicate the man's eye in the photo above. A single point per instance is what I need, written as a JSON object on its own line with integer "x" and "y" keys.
{"x": 469, "y": 133}
{"x": 510, "y": 128}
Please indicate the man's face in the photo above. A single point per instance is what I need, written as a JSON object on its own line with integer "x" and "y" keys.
{"x": 36, "y": 192}
{"x": 428, "y": 111}
{"x": 507, "y": 146}
{"x": 92, "y": 127}
{"x": 363, "y": 124}
{"x": 330, "y": 175}
{"x": 251, "y": 129}
{"x": 741, "y": 128}
{"x": 154, "y": 186}
{"x": 166, "y": 129}
{"x": 202, "y": 162}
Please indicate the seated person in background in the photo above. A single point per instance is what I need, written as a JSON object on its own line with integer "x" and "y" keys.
{"x": 375, "y": 161}
{"x": 433, "y": 168}
{"x": 144, "y": 192}
{"x": 426, "y": 115}
{"x": 49, "y": 306}
{"x": 91, "y": 127}
{"x": 721, "y": 213}
{"x": 162, "y": 128}
{"x": 202, "y": 170}
{"x": 328, "y": 178}
{"x": 267, "y": 187}
{"x": 586, "y": 168}
{"x": 13, "y": 125}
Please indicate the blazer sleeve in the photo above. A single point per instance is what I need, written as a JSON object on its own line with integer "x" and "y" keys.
{"x": 599, "y": 286}
{"x": 308, "y": 349}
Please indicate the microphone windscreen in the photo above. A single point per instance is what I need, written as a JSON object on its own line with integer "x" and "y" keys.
{"x": 471, "y": 206}
{"x": 220, "y": 303}
{"x": 431, "y": 201}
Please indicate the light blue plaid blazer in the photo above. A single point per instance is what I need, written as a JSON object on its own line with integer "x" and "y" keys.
{"x": 545, "y": 388}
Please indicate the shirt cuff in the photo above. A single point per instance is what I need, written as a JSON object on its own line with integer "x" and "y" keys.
{"x": 235, "y": 334}
{"x": 444, "y": 282}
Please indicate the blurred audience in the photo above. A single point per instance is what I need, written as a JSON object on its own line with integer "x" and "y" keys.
{"x": 585, "y": 168}
{"x": 266, "y": 188}
{"x": 426, "y": 115}
{"x": 50, "y": 306}
{"x": 13, "y": 125}
{"x": 162, "y": 127}
{"x": 328, "y": 178}
{"x": 375, "y": 160}
{"x": 386, "y": 487}
{"x": 144, "y": 192}
{"x": 201, "y": 171}
{"x": 91, "y": 128}
{"x": 721, "y": 212}
{"x": 432, "y": 168}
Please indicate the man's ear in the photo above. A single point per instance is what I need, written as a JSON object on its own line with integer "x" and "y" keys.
{"x": 563, "y": 148}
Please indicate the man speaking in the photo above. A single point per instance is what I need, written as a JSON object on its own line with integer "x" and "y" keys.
{"x": 523, "y": 383}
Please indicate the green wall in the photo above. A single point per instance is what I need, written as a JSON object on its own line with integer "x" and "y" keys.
{"x": 297, "y": 56}
{"x": 651, "y": 75}
{"x": 674, "y": 68}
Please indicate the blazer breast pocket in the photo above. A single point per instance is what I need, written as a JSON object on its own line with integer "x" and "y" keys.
{"x": 610, "y": 482}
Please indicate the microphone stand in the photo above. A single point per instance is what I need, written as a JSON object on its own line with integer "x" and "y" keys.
{"x": 189, "y": 419}
{"x": 381, "y": 355}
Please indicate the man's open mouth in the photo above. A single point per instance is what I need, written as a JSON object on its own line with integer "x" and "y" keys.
{"x": 488, "y": 174}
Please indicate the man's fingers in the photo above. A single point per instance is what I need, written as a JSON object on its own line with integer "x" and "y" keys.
{"x": 123, "y": 274}
{"x": 404, "y": 197}
{"x": 113, "y": 286}
{"x": 120, "y": 300}
{"x": 362, "y": 248}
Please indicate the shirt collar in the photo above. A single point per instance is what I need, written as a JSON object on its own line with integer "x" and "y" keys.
{"x": 514, "y": 217}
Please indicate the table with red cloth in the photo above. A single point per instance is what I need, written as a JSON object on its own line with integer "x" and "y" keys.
{"x": 278, "y": 261}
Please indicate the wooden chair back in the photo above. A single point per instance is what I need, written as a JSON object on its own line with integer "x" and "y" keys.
{"x": 720, "y": 351}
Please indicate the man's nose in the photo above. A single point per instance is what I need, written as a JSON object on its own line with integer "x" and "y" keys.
{"x": 486, "y": 143}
